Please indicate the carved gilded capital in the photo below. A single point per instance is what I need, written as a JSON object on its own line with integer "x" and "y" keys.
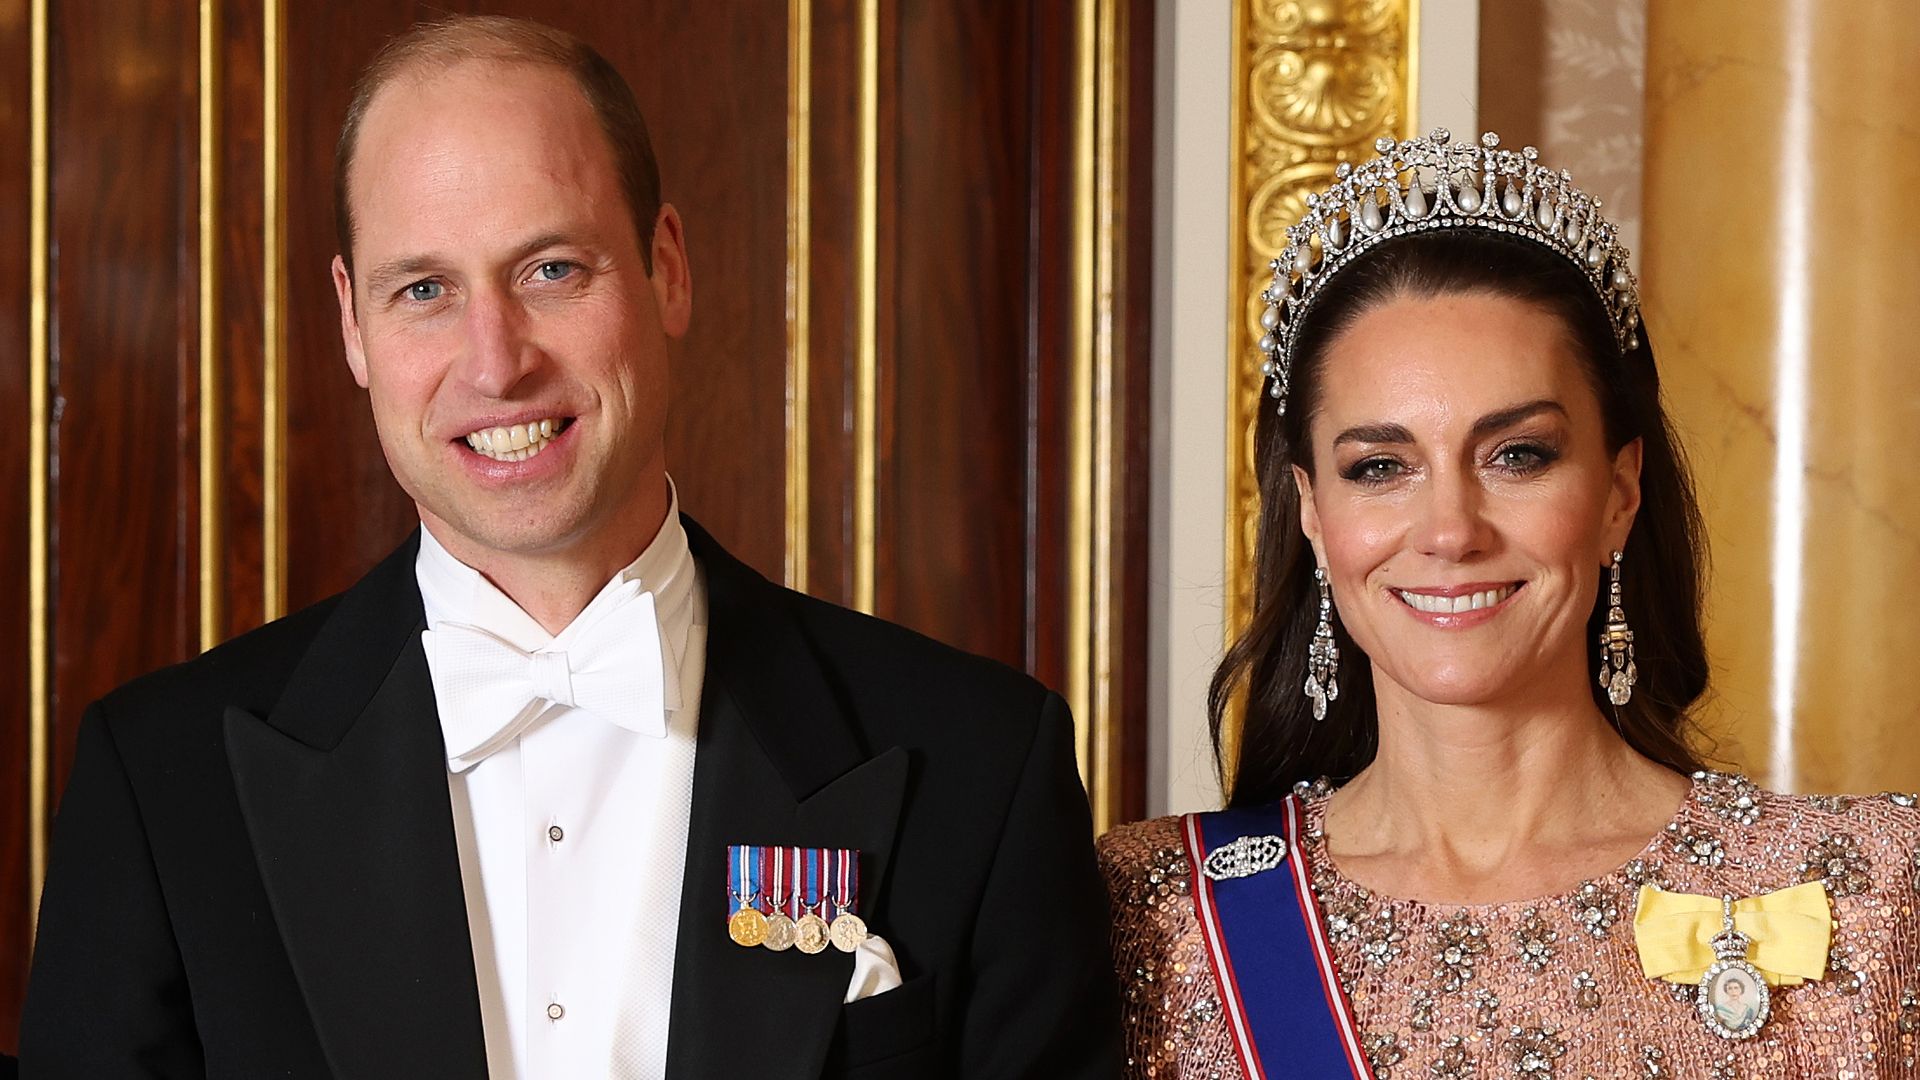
{"x": 1315, "y": 82}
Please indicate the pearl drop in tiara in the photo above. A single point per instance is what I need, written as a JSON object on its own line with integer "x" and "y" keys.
{"x": 1432, "y": 183}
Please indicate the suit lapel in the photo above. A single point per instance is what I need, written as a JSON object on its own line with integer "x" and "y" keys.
{"x": 779, "y": 762}
{"x": 344, "y": 790}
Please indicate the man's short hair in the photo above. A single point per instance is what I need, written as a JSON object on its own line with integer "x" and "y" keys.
{"x": 500, "y": 39}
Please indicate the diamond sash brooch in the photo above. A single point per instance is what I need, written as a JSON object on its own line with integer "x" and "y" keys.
{"x": 1245, "y": 857}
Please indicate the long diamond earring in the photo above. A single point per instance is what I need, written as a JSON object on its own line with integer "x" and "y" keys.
{"x": 1323, "y": 656}
{"x": 1618, "y": 672}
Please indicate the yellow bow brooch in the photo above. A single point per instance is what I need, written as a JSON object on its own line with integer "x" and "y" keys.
{"x": 1789, "y": 929}
{"x": 1734, "y": 950}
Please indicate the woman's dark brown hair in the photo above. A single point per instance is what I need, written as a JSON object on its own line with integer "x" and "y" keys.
{"x": 1280, "y": 743}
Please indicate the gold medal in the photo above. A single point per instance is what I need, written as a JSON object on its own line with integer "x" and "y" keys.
{"x": 747, "y": 927}
{"x": 847, "y": 932}
{"x": 780, "y": 933}
{"x": 810, "y": 934}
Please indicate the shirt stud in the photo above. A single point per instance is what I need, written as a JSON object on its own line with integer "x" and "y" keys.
{"x": 556, "y": 834}
{"x": 555, "y": 1011}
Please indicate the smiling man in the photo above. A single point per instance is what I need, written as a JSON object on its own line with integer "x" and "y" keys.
{"x": 560, "y": 789}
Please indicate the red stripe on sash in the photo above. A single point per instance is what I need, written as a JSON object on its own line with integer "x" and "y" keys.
{"x": 1226, "y": 982}
{"x": 1337, "y": 1002}
{"x": 1218, "y": 960}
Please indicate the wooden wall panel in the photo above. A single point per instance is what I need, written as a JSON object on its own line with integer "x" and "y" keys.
{"x": 343, "y": 508}
{"x": 1132, "y": 448}
{"x": 954, "y": 497}
{"x": 973, "y": 302}
{"x": 1047, "y": 350}
{"x": 124, "y": 349}
{"x": 831, "y": 241}
{"x": 712, "y": 81}
{"x": 239, "y": 319}
{"x": 16, "y": 816}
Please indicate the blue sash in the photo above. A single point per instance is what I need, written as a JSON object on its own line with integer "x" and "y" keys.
{"x": 1268, "y": 949}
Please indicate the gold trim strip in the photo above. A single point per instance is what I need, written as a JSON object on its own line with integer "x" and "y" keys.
{"x": 273, "y": 419}
{"x": 1080, "y": 524}
{"x": 1288, "y": 133}
{"x": 1109, "y": 215}
{"x": 799, "y": 285}
{"x": 39, "y": 698}
{"x": 866, "y": 441}
{"x": 211, "y": 540}
{"x": 1233, "y": 559}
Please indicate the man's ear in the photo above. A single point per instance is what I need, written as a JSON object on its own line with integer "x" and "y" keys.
{"x": 349, "y": 322}
{"x": 1309, "y": 514}
{"x": 672, "y": 277}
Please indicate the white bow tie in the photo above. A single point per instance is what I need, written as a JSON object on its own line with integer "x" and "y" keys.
{"x": 488, "y": 691}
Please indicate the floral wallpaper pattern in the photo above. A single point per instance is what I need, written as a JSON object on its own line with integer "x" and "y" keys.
{"x": 1569, "y": 77}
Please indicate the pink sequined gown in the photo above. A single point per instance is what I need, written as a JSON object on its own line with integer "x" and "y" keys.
{"x": 1551, "y": 988}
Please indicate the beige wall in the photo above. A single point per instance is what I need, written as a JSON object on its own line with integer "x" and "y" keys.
{"x": 1780, "y": 286}
{"x": 1193, "y": 263}
{"x": 1568, "y": 76}
{"x": 1193, "y": 70}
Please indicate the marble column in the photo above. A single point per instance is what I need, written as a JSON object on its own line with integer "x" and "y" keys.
{"x": 1781, "y": 237}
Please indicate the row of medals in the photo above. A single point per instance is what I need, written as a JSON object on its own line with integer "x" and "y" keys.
{"x": 809, "y": 933}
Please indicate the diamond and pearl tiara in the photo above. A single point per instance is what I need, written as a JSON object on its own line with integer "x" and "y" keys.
{"x": 1430, "y": 183}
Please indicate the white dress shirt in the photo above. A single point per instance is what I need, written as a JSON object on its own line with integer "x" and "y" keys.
{"x": 572, "y": 834}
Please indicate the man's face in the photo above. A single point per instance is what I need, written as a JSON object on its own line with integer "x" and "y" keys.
{"x": 501, "y": 316}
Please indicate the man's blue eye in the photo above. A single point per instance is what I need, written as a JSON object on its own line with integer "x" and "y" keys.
{"x": 423, "y": 291}
{"x": 554, "y": 271}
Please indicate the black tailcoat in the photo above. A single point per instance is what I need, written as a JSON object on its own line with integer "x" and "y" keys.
{"x": 254, "y": 872}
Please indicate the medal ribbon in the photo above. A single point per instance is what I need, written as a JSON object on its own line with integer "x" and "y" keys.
{"x": 793, "y": 880}
{"x": 743, "y": 878}
{"x": 814, "y": 878}
{"x": 1269, "y": 953}
{"x": 846, "y": 878}
{"x": 1790, "y": 931}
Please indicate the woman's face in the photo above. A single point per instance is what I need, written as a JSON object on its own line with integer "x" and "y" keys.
{"x": 1463, "y": 500}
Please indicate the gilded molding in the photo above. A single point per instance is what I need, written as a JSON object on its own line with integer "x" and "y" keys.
{"x": 1080, "y": 519}
{"x": 1315, "y": 82}
{"x": 1109, "y": 227}
{"x": 212, "y": 545}
{"x": 273, "y": 420}
{"x": 1098, "y": 218}
{"x": 866, "y": 389}
{"x": 39, "y": 333}
{"x": 799, "y": 280}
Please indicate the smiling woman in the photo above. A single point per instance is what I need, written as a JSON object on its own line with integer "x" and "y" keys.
{"x": 1466, "y": 765}
{"x": 1445, "y": 349}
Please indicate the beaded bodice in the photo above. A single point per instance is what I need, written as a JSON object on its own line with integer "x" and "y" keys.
{"x": 1552, "y": 988}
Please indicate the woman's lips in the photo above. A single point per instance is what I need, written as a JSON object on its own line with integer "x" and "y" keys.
{"x": 1458, "y": 604}
{"x": 1456, "y": 601}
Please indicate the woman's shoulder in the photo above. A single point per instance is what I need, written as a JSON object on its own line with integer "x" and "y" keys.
{"x": 1174, "y": 1023}
{"x": 1149, "y": 881}
{"x": 1856, "y": 844}
{"x": 1144, "y": 850}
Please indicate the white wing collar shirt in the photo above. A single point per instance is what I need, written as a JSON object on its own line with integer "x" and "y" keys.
{"x": 570, "y": 763}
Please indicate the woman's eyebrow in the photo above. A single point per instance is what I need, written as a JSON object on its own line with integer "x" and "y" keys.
{"x": 1390, "y": 433}
{"x": 1507, "y": 417}
{"x": 1375, "y": 433}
